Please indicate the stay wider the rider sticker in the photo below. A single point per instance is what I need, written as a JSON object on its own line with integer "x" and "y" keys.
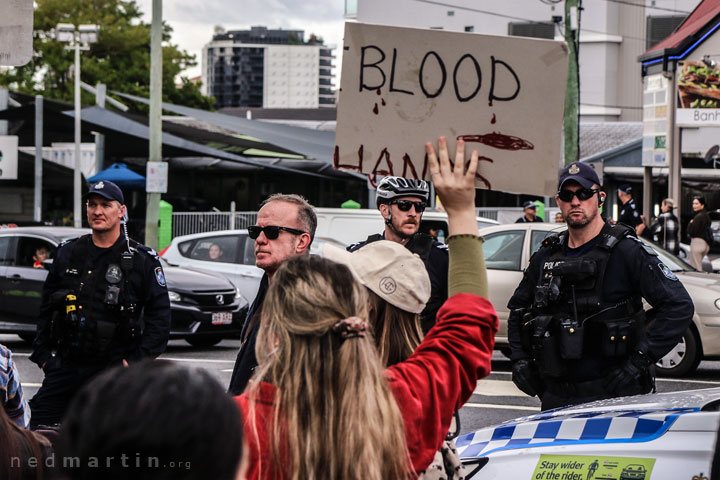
{"x": 667, "y": 272}
{"x": 583, "y": 467}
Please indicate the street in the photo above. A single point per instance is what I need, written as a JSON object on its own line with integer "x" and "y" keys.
{"x": 496, "y": 398}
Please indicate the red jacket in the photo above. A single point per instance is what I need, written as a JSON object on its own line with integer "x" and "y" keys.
{"x": 437, "y": 379}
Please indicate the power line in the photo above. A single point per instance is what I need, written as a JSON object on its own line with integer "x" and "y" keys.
{"x": 625, "y": 2}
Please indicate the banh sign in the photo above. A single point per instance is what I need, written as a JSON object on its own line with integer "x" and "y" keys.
{"x": 698, "y": 87}
{"x": 580, "y": 467}
{"x": 402, "y": 87}
{"x": 16, "y": 32}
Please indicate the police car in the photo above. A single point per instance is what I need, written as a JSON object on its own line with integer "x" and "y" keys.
{"x": 508, "y": 249}
{"x": 665, "y": 436}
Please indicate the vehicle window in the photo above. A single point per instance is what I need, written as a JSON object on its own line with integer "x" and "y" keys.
{"x": 674, "y": 263}
{"x": 223, "y": 248}
{"x": 249, "y": 254}
{"x": 184, "y": 248}
{"x": 32, "y": 251}
{"x": 6, "y": 256}
{"x": 503, "y": 250}
{"x": 538, "y": 236}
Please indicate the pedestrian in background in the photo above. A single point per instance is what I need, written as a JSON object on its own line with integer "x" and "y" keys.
{"x": 699, "y": 232}
{"x": 11, "y": 392}
{"x": 629, "y": 214}
{"x": 320, "y": 404}
{"x": 666, "y": 228}
{"x": 559, "y": 218}
{"x": 529, "y": 213}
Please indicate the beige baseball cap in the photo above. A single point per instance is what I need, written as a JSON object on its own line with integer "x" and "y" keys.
{"x": 395, "y": 274}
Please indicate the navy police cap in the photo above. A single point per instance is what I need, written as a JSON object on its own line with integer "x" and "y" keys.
{"x": 582, "y": 173}
{"x": 106, "y": 190}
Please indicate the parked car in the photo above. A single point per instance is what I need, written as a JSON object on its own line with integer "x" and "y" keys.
{"x": 664, "y": 436}
{"x": 507, "y": 253}
{"x": 347, "y": 226}
{"x": 205, "y": 308}
{"x": 236, "y": 260}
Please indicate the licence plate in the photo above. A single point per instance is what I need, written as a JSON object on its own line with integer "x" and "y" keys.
{"x": 222, "y": 318}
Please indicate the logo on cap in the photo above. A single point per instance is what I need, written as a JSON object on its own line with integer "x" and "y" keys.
{"x": 387, "y": 285}
{"x": 574, "y": 169}
{"x": 99, "y": 185}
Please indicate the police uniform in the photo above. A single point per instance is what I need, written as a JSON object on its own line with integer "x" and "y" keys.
{"x": 435, "y": 256}
{"x": 629, "y": 214}
{"x": 577, "y": 329}
{"x": 100, "y": 306}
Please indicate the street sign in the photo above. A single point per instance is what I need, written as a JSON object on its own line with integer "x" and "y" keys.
{"x": 16, "y": 32}
{"x": 402, "y": 87}
{"x": 157, "y": 177}
{"x": 8, "y": 157}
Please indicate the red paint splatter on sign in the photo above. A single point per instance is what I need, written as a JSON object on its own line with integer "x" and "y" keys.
{"x": 500, "y": 141}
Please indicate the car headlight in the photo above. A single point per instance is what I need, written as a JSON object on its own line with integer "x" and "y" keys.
{"x": 238, "y": 295}
{"x": 174, "y": 296}
{"x": 717, "y": 303}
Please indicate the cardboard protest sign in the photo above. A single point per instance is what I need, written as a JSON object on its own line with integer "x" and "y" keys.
{"x": 402, "y": 87}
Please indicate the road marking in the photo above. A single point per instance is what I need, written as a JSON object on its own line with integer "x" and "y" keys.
{"x": 206, "y": 360}
{"x": 503, "y": 407}
{"x": 226, "y": 370}
{"x": 498, "y": 388}
{"x": 31, "y": 385}
{"x": 680, "y": 380}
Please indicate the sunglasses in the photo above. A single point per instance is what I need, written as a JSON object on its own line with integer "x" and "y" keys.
{"x": 404, "y": 205}
{"x": 582, "y": 194}
{"x": 271, "y": 231}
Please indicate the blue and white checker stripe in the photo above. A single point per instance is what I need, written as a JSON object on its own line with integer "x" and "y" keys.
{"x": 586, "y": 427}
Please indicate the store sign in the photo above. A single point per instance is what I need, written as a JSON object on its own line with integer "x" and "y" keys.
{"x": 698, "y": 88}
{"x": 402, "y": 87}
{"x": 16, "y": 32}
{"x": 157, "y": 177}
{"x": 655, "y": 121}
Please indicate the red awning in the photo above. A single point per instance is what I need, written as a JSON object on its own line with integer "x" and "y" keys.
{"x": 703, "y": 14}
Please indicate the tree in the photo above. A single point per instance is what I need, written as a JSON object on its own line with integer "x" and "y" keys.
{"x": 120, "y": 58}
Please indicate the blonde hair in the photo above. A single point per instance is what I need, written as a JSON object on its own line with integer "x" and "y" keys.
{"x": 334, "y": 414}
{"x": 670, "y": 203}
{"x": 397, "y": 332}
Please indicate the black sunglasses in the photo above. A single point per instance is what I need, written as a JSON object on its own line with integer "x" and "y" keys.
{"x": 582, "y": 194}
{"x": 404, "y": 205}
{"x": 271, "y": 231}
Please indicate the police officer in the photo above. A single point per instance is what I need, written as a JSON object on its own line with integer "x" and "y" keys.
{"x": 577, "y": 329}
{"x": 402, "y": 202}
{"x": 529, "y": 213}
{"x": 104, "y": 303}
{"x": 629, "y": 214}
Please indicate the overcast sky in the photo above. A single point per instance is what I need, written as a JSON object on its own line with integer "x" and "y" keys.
{"x": 193, "y": 20}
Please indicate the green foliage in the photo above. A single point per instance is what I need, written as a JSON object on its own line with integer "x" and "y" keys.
{"x": 120, "y": 58}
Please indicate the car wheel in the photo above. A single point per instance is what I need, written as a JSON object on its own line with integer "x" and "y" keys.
{"x": 682, "y": 359}
{"x": 27, "y": 337}
{"x": 204, "y": 340}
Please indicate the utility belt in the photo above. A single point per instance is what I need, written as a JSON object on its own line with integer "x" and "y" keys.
{"x": 552, "y": 339}
{"x": 82, "y": 338}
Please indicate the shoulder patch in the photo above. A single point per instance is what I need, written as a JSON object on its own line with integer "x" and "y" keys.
{"x": 160, "y": 276}
{"x": 667, "y": 272}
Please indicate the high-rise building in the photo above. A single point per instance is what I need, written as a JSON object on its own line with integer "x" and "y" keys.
{"x": 613, "y": 33}
{"x": 268, "y": 68}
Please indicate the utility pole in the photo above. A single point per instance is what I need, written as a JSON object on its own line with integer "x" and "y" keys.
{"x": 572, "y": 92}
{"x": 152, "y": 214}
{"x": 37, "y": 202}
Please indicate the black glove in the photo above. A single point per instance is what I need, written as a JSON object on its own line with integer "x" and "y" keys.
{"x": 526, "y": 378}
{"x": 632, "y": 378}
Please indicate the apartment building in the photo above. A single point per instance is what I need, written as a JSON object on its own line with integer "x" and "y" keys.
{"x": 268, "y": 68}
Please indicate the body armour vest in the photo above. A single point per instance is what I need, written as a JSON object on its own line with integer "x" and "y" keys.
{"x": 106, "y": 309}
{"x": 569, "y": 319}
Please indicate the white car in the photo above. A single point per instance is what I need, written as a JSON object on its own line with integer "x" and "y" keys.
{"x": 508, "y": 249}
{"x": 665, "y": 436}
{"x": 236, "y": 261}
